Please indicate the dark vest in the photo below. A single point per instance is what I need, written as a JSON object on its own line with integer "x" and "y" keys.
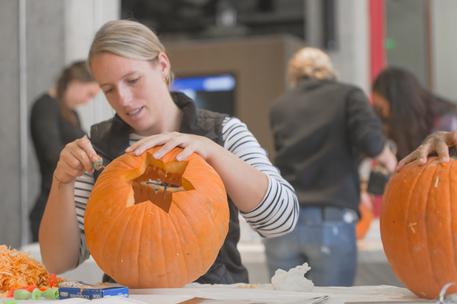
{"x": 112, "y": 138}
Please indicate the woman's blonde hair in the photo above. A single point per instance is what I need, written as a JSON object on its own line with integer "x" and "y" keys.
{"x": 129, "y": 39}
{"x": 309, "y": 63}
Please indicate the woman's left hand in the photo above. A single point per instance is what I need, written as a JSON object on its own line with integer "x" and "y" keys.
{"x": 190, "y": 143}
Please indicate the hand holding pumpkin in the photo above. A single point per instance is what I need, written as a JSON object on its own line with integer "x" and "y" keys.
{"x": 75, "y": 158}
{"x": 190, "y": 144}
{"x": 246, "y": 196}
{"x": 438, "y": 142}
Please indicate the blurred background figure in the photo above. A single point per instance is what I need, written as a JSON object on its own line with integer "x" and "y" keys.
{"x": 409, "y": 111}
{"x": 321, "y": 127}
{"x": 54, "y": 122}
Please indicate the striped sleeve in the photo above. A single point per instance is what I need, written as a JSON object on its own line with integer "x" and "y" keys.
{"x": 83, "y": 188}
{"x": 277, "y": 213}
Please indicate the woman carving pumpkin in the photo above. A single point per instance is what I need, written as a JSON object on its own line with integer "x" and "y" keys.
{"x": 132, "y": 68}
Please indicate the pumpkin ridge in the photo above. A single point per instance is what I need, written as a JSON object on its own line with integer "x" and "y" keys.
{"x": 100, "y": 186}
{"x": 427, "y": 238}
{"x": 102, "y": 249}
{"x": 139, "y": 246}
{"x": 206, "y": 210}
{"x": 146, "y": 249}
{"x": 210, "y": 215}
{"x": 451, "y": 221}
{"x": 120, "y": 243}
{"x": 407, "y": 213}
{"x": 427, "y": 259}
{"x": 445, "y": 228}
{"x": 193, "y": 232}
{"x": 164, "y": 259}
{"x": 179, "y": 232}
{"x": 215, "y": 224}
{"x": 117, "y": 244}
{"x": 388, "y": 205}
{"x": 453, "y": 212}
{"x": 176, "y": 237}
{"x": 163, "y": 216}
{"x": 213, "y": 190}
{"x": 136, "y": 215}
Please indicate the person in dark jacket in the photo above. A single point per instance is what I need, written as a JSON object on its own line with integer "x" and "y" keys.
{"x": 134, "y": 72}
{"x": 321, "y": 128}
{"x": 54, "y": 123}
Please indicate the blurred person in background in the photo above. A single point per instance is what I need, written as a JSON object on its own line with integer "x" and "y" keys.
{"x": 409, "y": 111}
{"x": 54, "y": 122}
{"x": 321, "y": 127}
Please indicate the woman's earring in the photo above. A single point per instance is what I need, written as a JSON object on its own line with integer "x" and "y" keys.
{"x": 166, "y": 79}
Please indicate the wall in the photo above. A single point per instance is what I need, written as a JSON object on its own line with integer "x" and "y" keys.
{"x": 45, "y": 53}
{"x": 36, "y": 45}
{"x": 351, "y": 54}
{"x": 80, "y": 29}
{"x": 33, "y": 31}
{"x": 444, "y": 48}
{"x": 351, "y": 57}
{"x": 10, "y": 222}
{"x": 407, "y": 34}
{"x": 259, "y": 64}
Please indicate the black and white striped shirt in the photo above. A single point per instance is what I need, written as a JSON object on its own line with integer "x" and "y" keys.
{"x": 276, "y": 215}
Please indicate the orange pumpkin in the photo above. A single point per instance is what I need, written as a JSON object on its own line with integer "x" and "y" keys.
{"x": 419, "y": 226}
{"x": 366, "y": 217}
{"x": 156, "y": 223}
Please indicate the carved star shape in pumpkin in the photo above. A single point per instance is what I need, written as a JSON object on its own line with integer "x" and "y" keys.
{"x": 159, "y": 181}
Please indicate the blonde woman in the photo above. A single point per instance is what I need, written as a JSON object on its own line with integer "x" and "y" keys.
{"x": 320, "y": 128}
{"x": 133, "y": 70}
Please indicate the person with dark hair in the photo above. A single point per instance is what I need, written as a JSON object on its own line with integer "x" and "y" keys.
{"x": 321, "y": 127}
{"x": 54, "y": 123}
{"x": 409, "y": 111}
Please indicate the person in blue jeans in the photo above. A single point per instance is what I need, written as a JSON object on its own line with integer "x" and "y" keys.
{"x": 321, "y": 129}
{"x": 323, "y": 237}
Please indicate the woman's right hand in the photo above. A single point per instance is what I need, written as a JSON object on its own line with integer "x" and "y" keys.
{"x": 438, "y": 142}
{"x": 75, "y": 158}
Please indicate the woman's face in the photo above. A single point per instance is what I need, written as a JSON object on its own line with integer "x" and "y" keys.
{"x": 79, "y": 93}
{"x": 134, "y": 88}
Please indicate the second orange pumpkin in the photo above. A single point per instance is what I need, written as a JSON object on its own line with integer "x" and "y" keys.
{"x": 419, "y": 226}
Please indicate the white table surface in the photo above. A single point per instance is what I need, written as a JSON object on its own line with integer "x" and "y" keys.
{"x": 248, "y": 293}
{"x": 264, "y": 293}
